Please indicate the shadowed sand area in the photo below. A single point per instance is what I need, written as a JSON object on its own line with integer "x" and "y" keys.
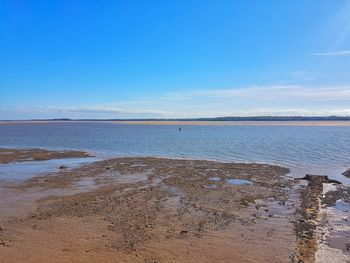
{"x": 160, "y": 210}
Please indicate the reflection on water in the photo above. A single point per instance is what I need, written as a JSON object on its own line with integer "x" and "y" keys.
{"x": 342, "y": 206}
{"x": 238, "y": 181}
{"x": 337, "y": 232}
{"x": 26, "y": 170}
{"x": 304, "y": 149}
{"x": 214, "y": 178}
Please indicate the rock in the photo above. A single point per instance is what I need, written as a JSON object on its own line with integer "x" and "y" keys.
{"x": 244, "y": 202}
{"x": 62, "y": 167}
{"x": 183, "y": 233}
{"x": 3, "y": 243}
{"x": 347, "y": 173}
{"x": 319, "y": 179}
{"x": 259, "y": 203}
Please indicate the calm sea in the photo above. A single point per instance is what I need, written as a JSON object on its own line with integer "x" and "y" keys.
{"x": 303, "y": 149}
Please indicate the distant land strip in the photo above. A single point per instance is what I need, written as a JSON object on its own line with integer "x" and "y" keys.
{"x": 220, "y": 121}
{"x": 253, "y": 118}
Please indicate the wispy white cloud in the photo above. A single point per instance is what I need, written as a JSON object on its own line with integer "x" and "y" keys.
{"x": 292, "y": 112}
{"x": 278, "y": 100}
{"x": 280, "y": 91}
{"x": 333, "y": 53}
{"x": 98, "y": 110}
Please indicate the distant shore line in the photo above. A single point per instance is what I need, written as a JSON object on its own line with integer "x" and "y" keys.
{"x": 194, "y": 122}
{"x": 227, "y": 118}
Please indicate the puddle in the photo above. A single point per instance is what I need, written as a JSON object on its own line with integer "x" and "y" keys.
{"x": 238, "y": 182}
{"x": 228, "y": 181}
{"x": 211, "y": 169}
{"x": 342, "y": 206}
{"x": 337, "y": 229}
{"x": 26, "y": 170}
{"x": 216, "y": 179}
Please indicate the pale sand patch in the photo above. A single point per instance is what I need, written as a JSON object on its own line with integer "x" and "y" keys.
{"x": 239, "y": 123}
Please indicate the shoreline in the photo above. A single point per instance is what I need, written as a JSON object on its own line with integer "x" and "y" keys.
{"x": 163, "y": 210}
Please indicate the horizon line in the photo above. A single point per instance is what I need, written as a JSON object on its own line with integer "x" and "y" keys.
{"x": 219, "y": 118}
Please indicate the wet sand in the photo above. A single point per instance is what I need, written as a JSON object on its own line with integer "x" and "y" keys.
{"x": 17, "y": 155}
{"x": 164, "y": 210}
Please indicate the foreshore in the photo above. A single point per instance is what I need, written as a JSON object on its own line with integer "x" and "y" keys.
{"x": 25, "y": 155}
{"x": 166, "y": 210}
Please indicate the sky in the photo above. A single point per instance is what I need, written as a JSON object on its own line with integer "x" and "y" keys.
{"x": 174, "y": 59}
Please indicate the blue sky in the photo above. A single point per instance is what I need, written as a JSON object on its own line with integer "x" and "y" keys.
{"x": 141, "y": 59}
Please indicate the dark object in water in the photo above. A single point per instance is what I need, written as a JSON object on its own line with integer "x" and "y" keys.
{"x": 347, "y": 173}
{"x": 347, "y": 246}
{"x": 179, "y": 129}
{"x": 63, "y": 167}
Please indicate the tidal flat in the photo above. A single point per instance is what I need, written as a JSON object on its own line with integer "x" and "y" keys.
{"x": 146, "y": 209}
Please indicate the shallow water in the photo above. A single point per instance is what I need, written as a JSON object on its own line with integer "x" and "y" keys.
{"x": 25, "y": 170}
{"x": 304, "y": 149}
{"x": 342, "y": 206}
{"x": 238, "y": 181}
{"x": 214, "y": 178}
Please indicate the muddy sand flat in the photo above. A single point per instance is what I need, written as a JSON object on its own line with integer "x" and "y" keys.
{"x": 20, "y": 155}
{"x": 159, "y": 210}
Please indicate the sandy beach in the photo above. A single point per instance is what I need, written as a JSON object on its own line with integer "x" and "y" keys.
{"x": 166, "y": 210}
{"x": 175, "y": 131}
